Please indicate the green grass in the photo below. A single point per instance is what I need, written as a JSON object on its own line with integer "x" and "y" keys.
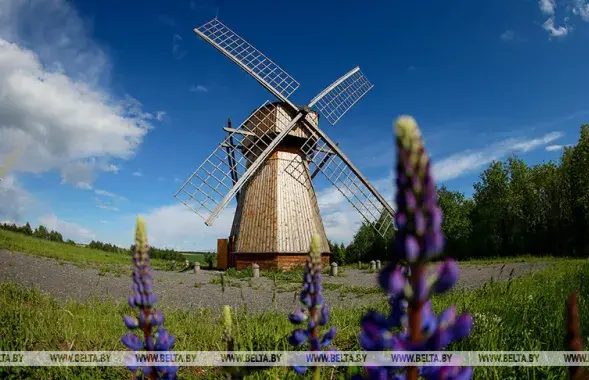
{"x": 525, "y": 314}
{"x": 357, "y": 290}
{"x": 198, "y": 257}
{"x": 489, "y": 260}
{"x": 515, "y": 259}
{"x": 294, "y": 275}
{"x": 80, "y": 256}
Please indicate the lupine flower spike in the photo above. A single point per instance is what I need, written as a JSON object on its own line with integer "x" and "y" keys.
{"x": 418, "y": 239}
{"x": 149, "y": 320}
{"x": 314, "y": 312}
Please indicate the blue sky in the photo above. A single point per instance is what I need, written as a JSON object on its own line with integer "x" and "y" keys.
{"x": 113, "y": 104}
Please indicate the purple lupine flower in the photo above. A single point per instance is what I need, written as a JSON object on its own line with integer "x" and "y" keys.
{"x": 149, "y": 320}
{"x": 418, "y": 239}
{"x": 315, "y": 312}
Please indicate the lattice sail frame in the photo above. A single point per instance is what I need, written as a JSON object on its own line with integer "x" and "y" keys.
{"x": 219, "y": 172}
{"x": 336, "y": 170}
{"x": 339, "y": 97}
{"x": 262, "y": 68}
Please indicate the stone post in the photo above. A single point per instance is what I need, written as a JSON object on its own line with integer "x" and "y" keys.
{"x": 256, "y": 270}
{"x": 359, "y": 264}
{"x": 197, "y": 267}
{"x": 377, "y": 264}
{"x": 373, "y": 265}
{"x": 186, "y": 263}
{"x": 333, "y": 269}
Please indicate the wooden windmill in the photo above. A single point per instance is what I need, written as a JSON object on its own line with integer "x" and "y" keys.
{"x": 269, "y": 162}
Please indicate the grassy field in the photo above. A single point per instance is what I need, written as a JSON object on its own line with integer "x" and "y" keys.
{"x": 81, "y": 256}
{"x": 525, "y": 314}
{"x": 198, "y": 257}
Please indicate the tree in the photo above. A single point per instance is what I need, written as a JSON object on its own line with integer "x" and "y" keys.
{"x": 361, "y": 247}
{"x": 55, "y": 236}
{"x": 456, "y": 223}
{"x": 27, "y": 230}
{"x": 491, "y": 199}
{"x": 41, "y": 232}
{"x": 338, "y": 254}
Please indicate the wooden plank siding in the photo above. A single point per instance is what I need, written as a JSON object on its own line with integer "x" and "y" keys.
{"x": 255, "y": 226}
{"x": 277, "y": 214}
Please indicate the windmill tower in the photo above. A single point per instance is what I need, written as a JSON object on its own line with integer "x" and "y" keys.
{"x": 269, "y": 162}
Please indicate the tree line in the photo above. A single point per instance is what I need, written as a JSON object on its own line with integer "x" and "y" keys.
{"x": 516, "y": 209}
{"x": 41, "y": 232}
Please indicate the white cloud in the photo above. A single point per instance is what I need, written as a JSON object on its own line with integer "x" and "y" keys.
{"x": 160, "y": 115}
{"x": 14, "y": 200}
{"x": 83, "y": 185}
{"x": 105, "y": 193}
{"x": 554, "y": 31}
{"x": 551, "y": 148}
{"x": 508, "y": 35}
{"x": 106, "y": 204}
{"x": 78, "y": 174}
{"x": 581, "y": 8}
{"x": 54, "y": 101}
{"x": 511, "y": 36}
{"x": 198, "y": 88}
{"x": 68, "y": 230}
{"x": 177, "y": 50}
{"x": 547, "y": 7}
{"x": 103, "y": 222}
{"x": 107, "y": 207}
{"x": 178, "y": 227}
{"x": 330, "y": 197}
{"x": 461, "y": 163}
{"x": 578, "y": 8}
{"x": 340, "y": 226}
{"x": 137, "y": 174}
{"x": 111, "y": 168}
{"x": 528, "y": 145}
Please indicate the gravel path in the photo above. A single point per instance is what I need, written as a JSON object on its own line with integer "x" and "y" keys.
{"x": 190, "y": 290}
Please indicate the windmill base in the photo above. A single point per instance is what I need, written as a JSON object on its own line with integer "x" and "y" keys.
{"x": 282, "y": 260}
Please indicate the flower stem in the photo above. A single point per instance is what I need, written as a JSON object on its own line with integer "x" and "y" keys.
{"x": 146, "y": 334}
{"x": 313, "y": 335}
{"x": 415, "y": 305}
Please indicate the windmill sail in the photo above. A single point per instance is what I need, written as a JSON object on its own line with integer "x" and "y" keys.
{"x": 341, "y": 95}
{"x": 250, "y": 59}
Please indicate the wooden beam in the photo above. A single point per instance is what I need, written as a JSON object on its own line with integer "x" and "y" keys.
{"x": 231, "y": 157}
{"x": 323, "y": 161}
{"x": 328, "y": 151}
{"x": 240, "y": 131}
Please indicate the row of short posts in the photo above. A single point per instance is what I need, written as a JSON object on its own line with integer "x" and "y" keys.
{"x": 374, "y": 266}
{"x": 255, "y": 269}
